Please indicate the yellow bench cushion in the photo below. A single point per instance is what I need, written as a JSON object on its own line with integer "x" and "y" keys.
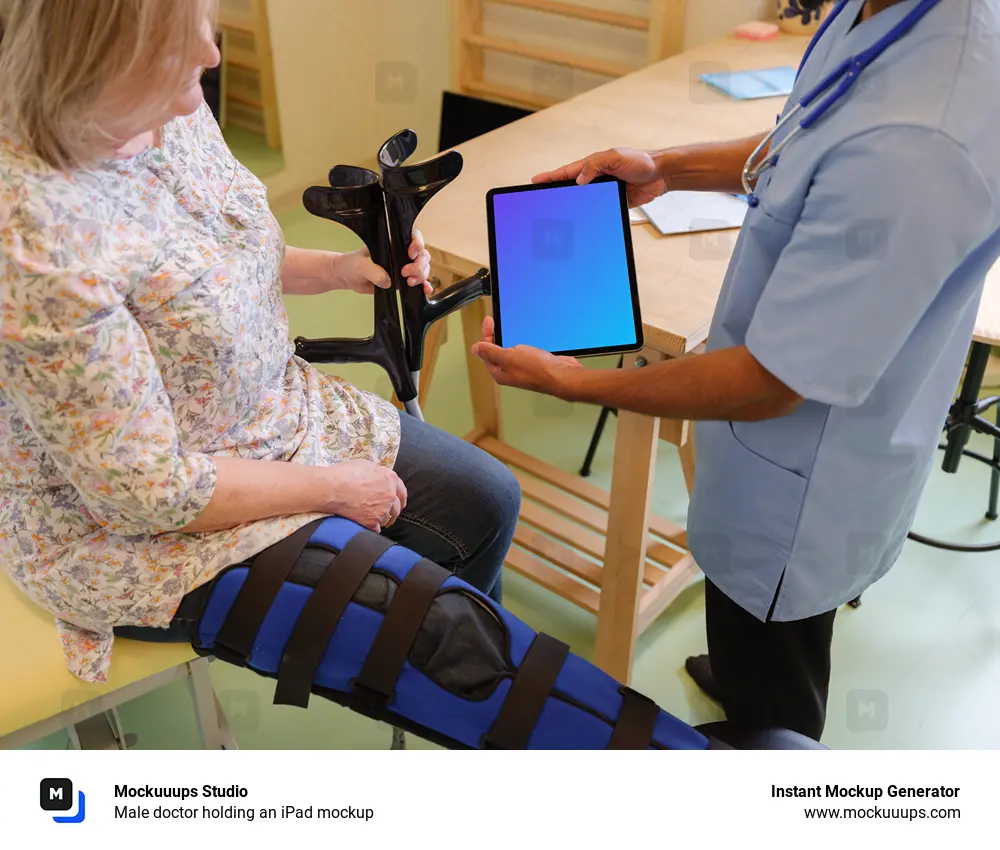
{"x": 34, "y": 679}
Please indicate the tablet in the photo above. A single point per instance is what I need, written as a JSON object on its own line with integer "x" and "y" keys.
{"x": 563, "y": 272}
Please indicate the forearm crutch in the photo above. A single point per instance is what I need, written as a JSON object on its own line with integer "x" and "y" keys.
{"x": 382, "y": 210}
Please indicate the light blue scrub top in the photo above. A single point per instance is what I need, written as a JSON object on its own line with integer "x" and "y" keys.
{"x": 857, "y": 283}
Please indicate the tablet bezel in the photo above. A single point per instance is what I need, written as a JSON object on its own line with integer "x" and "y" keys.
{"x": 497, "y": 284}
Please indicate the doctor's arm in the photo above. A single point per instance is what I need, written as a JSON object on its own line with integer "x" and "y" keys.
{"x": 710, "y": 167}
{"x": 869, "y": 256}
{"x": 723, "y": 385}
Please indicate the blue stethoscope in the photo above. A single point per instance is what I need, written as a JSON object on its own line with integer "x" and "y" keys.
{"x": 846, "y": 74}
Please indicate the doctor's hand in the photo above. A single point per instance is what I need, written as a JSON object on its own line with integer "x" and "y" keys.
{"x": 524, "y": 367}
{"x": 636, "y": 168}
{"x": 357, "y": 272}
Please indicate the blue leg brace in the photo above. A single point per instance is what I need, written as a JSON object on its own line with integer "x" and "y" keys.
{"x": 342, "y": 613}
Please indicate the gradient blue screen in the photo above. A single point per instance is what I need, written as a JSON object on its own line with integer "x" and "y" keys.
{"x": 562, "y": 269}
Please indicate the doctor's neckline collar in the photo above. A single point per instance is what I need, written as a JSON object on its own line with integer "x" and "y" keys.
{"x": 857, "y": 33}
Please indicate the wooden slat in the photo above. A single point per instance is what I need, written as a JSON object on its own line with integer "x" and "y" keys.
{"x": 556, "y": 57}
{"x": 560, "y": 478}
{"x": 474, "y": 436}
{"x": 238, "y": 25}
{"x": 593, "y": 544}
{"x": 655, "y": 600}
{"x": 245, "y": 64}
{"x": 246, "y": 101}
{"x": 585, "y": 13}
{"x": 588, "y": 516}
{"x": 550, "y": 550}
{"x": 559, "y": 500}
{"x": 470, "y": 25}
{"x": 505, "y": 94}
{"x": 561, "y": 585}
{"x": 663, "y": 554}
{"x": 564, "y": 530}
{"x": 571, "y": 483}
{"x": 667, "y": 24}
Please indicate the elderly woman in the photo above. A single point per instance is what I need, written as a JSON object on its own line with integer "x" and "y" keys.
{"x": 155, "y": 427}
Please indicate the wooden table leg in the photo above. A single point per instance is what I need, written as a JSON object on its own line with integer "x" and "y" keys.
{"x": 485, "y": 393}
{"x": 687, "y": 458}
{"x": 437, "y": 336}
{"x": 625, "y": 555}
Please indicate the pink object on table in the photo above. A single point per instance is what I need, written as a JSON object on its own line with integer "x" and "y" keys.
{"x": 757, "y": 30}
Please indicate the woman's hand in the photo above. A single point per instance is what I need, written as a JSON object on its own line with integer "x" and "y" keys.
{"x": 356, "y": 271}
{"x": 637, "y": 168}
{"x": 373, "y": 496}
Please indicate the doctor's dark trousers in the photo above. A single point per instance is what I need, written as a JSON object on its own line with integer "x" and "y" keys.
{"x": 768, "y": 674}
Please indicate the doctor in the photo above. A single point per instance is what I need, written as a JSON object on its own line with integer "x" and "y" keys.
{"x": 838, "y": 340}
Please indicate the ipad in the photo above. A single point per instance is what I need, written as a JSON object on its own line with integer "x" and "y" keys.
{"x": 563, "y": 270}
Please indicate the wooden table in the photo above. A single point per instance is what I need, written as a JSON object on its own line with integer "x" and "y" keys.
{"x": 569, "y": 526}
{"x": 988, "y": 323}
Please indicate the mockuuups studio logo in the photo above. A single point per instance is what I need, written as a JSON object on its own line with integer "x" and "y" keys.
{"x": 56, "y": 795}
{"x": 552, "y": 239}
{"x": 396, "y": 82}
{"x": 868, "y": 240}
{"x": 867, "y": 711}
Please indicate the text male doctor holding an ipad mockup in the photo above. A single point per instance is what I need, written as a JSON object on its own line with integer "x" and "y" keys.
{"x": 830, "y": 365}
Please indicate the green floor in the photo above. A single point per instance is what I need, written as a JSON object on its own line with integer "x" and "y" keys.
{"x": 917, "y": 666}
{"x": 251, "y": 149}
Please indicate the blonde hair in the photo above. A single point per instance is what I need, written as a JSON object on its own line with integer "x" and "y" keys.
{"x": 61, "y": 62}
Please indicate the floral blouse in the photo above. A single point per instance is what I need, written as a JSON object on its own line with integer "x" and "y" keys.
{"x": 142, "y": 331}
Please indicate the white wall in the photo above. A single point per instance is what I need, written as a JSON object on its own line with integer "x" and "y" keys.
{"x": 349, "y": 73}
{"x": 352, "y": 72}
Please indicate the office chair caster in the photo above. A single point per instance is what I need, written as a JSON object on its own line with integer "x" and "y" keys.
{"x": 967, "y": 415}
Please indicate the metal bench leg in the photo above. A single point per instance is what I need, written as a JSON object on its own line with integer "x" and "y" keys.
{"x": 991, "y": 513}
{"x": 595, "y": 441}
{"x": 398, "y": 739}
{"x": 103, "y": 731}
{"x": 212, "y": 722}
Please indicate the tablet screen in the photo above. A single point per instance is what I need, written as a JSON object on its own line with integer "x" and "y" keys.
{"x": 564, "y": 278}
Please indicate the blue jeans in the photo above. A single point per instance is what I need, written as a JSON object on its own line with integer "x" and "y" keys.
{"x": 462, "y": 508}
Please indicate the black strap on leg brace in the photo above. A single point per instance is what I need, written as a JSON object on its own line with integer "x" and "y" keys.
{"x": 636, "y": 722}
{"x": 376, "y": 683}
{"x": 528, "y": 694}
{"x": 268, "y": 573}
{"x": 321, "y": 615}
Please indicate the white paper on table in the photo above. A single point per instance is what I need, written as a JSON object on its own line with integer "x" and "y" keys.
{"x": 695, "y": 212}
{"x": 637, "y": 216}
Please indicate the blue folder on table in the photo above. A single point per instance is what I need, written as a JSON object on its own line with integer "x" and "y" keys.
{"x": 750, "y": 85}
